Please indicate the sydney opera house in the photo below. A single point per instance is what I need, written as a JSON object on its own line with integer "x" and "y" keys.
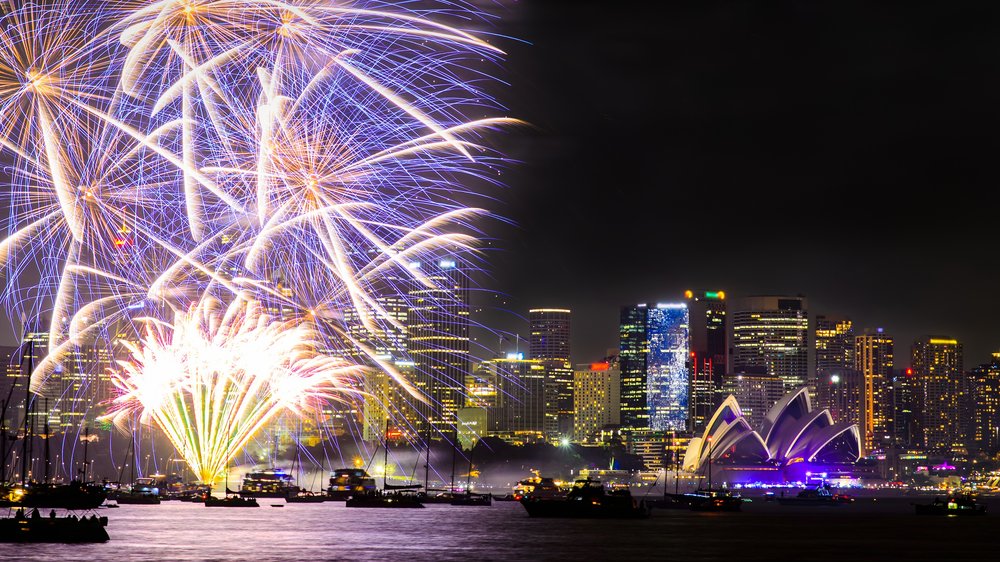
{"x": 793, "y": 443}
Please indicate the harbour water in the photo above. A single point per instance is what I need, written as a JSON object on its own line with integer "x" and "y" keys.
{"x": 886, "y": 528}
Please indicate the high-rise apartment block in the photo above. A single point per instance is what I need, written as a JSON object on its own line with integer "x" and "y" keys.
{"x": 772, "y": 333}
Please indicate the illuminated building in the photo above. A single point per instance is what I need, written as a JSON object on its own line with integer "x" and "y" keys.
{"x": 597, "y": 395}
{"x": 984, "y": 398}
{"x": 937, "y": 362}
{"x": 523, "y": 396}
{"x": 842, "y": 392}
{"x": 667, "y": 367}
{"x": 906, "y": 397}
{"x": 772, "y": 332}
{"x": 550, "y": 333}
{"x": 654, "y": 355}
{"x": 632, "y": 354}
{"x": 874, "y": 359}
{"x": 791, "y": 443}
{"x": 653, "y": 447}
{"x": 386, "y": 338}
{"x": 834, "y": 344}
{"x": 472, "y": 424}
{"x": 438, "y": 339}
{"x": 756, "y": 393}
{"x": 708, "y": 355}
{"x": 550, "y": 342}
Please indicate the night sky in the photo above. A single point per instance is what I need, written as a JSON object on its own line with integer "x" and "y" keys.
{"x": 843, "y": 150}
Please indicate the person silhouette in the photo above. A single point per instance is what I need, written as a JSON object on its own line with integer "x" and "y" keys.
{"x": 52, "y": 514}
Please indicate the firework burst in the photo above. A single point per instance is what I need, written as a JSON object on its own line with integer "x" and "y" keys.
{"x": 195, "y": 158}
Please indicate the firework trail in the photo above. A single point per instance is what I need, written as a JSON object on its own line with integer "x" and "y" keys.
{"x": 168, "y": 157}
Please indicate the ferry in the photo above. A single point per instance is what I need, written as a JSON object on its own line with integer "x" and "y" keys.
{"x": 269, "y": 483}
{"x": 346, "y": 482}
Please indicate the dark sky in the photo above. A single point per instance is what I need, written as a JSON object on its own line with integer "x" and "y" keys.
{"x": 843, "y": 150}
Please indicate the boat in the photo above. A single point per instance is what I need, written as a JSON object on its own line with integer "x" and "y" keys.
{"x": 670, "y": 501}
{"x": 392, "y": 499}
{"x": 472, "y": 499}
{"x": 34, "y": 528}
{"x": 136, "y": 498}
{"x": 588, "y": 499}
{"x": 74, "y": 496}
{"x": 818, "y": 496}
{"x": 714, "y": 500}
{"x": 230, "y": 501}
{"x": 345, "y": 482}
{"x": 953, "y": 504}
{"x": 435, "y": 495}
{"x": 268, "y": 483}
{"x": 390, "y": 496}
{"x": 505, "y": 498}
{"x": 537, "y": 487}
{"x": 143, "y": 492}
{"x": 306, "y": 497}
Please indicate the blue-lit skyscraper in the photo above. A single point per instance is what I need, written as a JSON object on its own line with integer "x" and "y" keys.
{"x": 667, "y": 367}
{"x": 655, "y": 377}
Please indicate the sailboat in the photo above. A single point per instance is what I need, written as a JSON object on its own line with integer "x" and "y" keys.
{"x": 444, "y": 496}
{"x": 470, "y": 498}
{"x": 231, "y": 499}
{"x": 140, "y": 492}
{"x": 399, "y": 497}
{"x": 300, "y": 495}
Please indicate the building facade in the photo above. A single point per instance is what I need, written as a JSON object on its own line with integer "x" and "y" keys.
{"x": 984, "y": 398}
{"x": 937, "y": 363}
{"x": 772, "y": 333}
{"x": 756, "y": 393}
{"x": 438, "y": 339}
{"x": 709, "y": 355}
{"x": 874, "y": 359}
{"x": 549, "y": 341}
{"x": 597, "y": 395}
{"x": 654, "y": 358}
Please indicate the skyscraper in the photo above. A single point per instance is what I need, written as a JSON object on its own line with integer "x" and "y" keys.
{"x": 633, "y": 349}
{"x": 834, "y": 343}
{"x": 550, "y": 342}
{"x": 523, "y": 401}
{"x": 874, "y": 359}
{"x": 754, "y": 393}
{"x": 654, "y": 353}
{"x": 667, "y": 367}
{"x": 842, "y": 392}
{"x": 937, "y": 362}
{"x": 709, "y": 354}
{"x": 438, "y": 339}
{"x": 550, "y": 333}
{"x": 907, "y": 394}
{"x": 596, "y": 393}
{"x": 984, "y": 398}
{"x": 772, "y": 333}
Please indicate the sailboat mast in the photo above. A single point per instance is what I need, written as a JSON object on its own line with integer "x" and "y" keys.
{"x": 86, "y": 459}
{"x": 28, "y": 405}
{"x": 45, "y": 409}
{"x": 677, "y": 466}
{"x": 468, "y": 478}
{"x": 427, "y": 459}
{"x": 385, "y": 458}
{"x": 454, "y": 452}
